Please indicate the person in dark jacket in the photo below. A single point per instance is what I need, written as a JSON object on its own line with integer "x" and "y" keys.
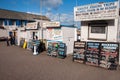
{"x": 7, "y": 40}
{"x": 11, "y": 40}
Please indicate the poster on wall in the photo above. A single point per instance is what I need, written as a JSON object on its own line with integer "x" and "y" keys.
{"x": 109, "y": 55}
{"x": 54, "y": 34}
{"x": 79, "y": 51}
{"x": 92, "y": 53}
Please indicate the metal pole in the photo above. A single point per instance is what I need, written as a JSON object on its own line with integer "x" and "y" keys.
{"x": 41, "y": 19}
{"x": 119, "y": 30}
{"x": 76, "y": 2}
{"x": 59, "y": 16}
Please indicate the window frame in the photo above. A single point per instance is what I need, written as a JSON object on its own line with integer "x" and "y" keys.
{"x": 99, "y": 35}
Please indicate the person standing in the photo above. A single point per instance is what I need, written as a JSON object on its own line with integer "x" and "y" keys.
{"x": 11, "y": 39}
{"x": 7, "y": 40}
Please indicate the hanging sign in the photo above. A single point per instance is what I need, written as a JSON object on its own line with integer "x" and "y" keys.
{"x": 51, "y": 24}
{"x": 32, "y": 25}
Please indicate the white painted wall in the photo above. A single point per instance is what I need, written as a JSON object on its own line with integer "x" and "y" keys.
{"x": 69, "y": 36}
{"x": 3, "y": 33}
{"x": 111, "y": 35}
{"x": 84, "y": 31}
{"x": 112, "y": 31}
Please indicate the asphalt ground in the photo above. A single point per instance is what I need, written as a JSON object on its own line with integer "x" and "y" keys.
{"x": 17, "y": 63}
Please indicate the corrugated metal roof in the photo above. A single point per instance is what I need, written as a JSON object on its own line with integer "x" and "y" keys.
{"x": 8, "y": 14}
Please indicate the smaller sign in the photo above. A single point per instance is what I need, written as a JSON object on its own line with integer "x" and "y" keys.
{"x": 32, "y": 25}
{"x": 51, "y": 24}
{"x": 79, "y": 44}
{"x": 12, "y": 28}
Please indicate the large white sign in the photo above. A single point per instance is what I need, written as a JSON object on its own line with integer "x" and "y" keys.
{"x": 98, "y": 11}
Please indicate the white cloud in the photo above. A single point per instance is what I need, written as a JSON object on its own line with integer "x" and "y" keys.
{"x": 65, "y": 19}
{"x": 54, "y": 4}
{"x": 34, "y": 13}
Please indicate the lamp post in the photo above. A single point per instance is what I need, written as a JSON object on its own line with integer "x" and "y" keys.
{"x": 118, "y": 36}
{"x": 41, "y": 20}
{"x": 76, "y": 2}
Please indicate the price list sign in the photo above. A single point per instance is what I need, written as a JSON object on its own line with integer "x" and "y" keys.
{"x": 92, "y": 53}
{"x": 62, "y": 50}
{"x": 79, "y": 51}
{"x": 109, "y": 55}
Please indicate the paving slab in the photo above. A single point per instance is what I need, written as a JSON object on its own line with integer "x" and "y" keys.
{"x": 17, "y": 63}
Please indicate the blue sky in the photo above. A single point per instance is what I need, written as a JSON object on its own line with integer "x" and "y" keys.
{"x": 56, "y": 10}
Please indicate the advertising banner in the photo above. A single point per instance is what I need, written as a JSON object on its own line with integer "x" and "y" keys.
{"x": 98, "y": 11}
{"x": 54, "y": 34}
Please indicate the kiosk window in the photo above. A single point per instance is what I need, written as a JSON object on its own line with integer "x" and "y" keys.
{"x": 95, "y": 29}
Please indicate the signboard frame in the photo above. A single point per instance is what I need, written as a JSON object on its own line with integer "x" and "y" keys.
{"x": 92, "y": 53}
{"x": 32, "y": 26}
{"x": 79, "y": 51}
{"x": 109, "y": 55}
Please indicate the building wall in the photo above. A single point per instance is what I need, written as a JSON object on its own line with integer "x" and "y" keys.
{"x": 111, "y": 31}
{"x": 69, "y": 36}
{"x": 84, "y": 31}
{"x": 11, "y": 25}
{"x": 3, "y": 33}
{"x": 66, "y": 35}
{"x": 30, "y": 28}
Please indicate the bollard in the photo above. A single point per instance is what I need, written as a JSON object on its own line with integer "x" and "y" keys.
{"x": 35, "y": 52}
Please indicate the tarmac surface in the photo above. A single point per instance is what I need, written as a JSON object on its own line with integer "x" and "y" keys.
{"x": 17, "y": 63}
